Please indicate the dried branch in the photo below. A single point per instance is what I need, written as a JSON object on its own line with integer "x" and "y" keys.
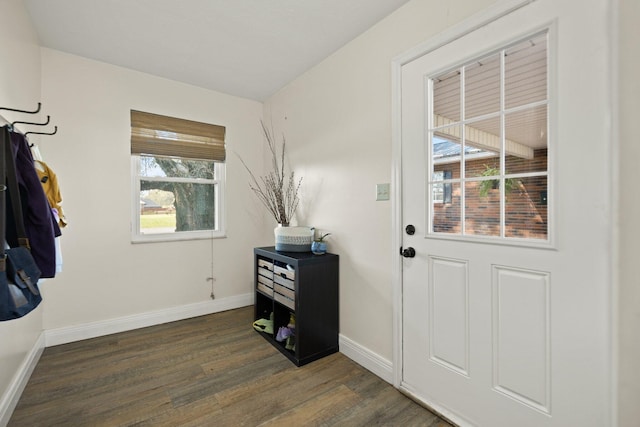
{"x": 279, "y": 196}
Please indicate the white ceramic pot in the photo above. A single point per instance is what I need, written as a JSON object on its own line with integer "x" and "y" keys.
{"x": 293, "y": 239}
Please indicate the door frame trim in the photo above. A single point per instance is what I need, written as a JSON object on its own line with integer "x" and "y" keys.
{"x": 449, "y": 35}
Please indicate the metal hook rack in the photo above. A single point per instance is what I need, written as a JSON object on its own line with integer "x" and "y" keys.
{"x": 37, "y": 110}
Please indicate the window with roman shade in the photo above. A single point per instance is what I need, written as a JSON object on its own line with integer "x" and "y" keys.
{"x": 178, "y": 178}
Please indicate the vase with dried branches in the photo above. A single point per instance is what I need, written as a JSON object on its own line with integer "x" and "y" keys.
{"x": 278, "y": 192}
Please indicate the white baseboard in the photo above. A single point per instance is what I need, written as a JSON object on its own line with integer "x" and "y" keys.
{"x": 368, "y": 359}
{"x": 11, "y": 395}
{"x": 121, "y": 324}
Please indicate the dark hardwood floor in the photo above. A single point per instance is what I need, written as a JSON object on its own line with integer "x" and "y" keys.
{"x": 212, "y": 370}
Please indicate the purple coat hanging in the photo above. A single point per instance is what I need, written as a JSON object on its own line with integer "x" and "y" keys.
{"x": 38, "y": 220}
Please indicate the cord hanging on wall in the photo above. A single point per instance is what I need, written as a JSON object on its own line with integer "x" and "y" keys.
{"x": 212, "y": 278}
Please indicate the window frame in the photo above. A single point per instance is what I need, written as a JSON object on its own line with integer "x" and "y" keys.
{"x": 431, "y": 129}
{"x": 218, "y": 203}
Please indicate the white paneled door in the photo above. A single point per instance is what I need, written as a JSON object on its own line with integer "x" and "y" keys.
{"x": 505, "y": 290}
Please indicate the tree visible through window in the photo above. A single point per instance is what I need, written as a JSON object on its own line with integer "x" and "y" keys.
{"x": 178, "y": 171}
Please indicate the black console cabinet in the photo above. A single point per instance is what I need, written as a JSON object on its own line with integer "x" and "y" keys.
{"x": 305, "y": 285}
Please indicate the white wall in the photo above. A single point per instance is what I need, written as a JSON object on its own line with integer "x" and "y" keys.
{"x": 629, "y": 226}
{"x": 105, "y": 276}
{"x": 337, "y": 121}
{"x": 19, "y": 88}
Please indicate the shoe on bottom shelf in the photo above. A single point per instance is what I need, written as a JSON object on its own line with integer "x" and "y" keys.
{"x": 283, "y": 333}
{"x": 264, "y": 325}
{"x": 291, "y": 343}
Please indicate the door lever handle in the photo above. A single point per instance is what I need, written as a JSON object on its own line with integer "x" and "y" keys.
{"x": 408, "y": 252}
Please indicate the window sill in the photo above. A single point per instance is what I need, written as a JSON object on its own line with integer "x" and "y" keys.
{"x": 178, "y": 237}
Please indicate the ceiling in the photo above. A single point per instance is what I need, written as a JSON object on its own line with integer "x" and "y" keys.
{"x": 246, "y": 48}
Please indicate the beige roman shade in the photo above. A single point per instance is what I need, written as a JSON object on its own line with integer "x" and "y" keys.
{"x": 168, "y": 136}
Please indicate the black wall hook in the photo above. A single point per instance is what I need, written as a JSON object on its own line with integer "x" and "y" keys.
{"x": 55, "y": 130}
{"x": 33, "y": 123}
{"x": 23, "y": 111}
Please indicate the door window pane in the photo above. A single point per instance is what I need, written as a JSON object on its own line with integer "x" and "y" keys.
{"x": 527, "y": 143}
{"x": 482, "y": 148}
{"x": 482, "y": 208}
{"x": 446, "y": 88}
{"x": 525, "y": 72}
{"x": 526, "y": 208}
{"x": 482, "y": 87}
{"x": 446, "y": 216}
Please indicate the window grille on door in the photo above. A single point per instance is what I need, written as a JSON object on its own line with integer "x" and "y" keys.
{"x": 488, "y": 145}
